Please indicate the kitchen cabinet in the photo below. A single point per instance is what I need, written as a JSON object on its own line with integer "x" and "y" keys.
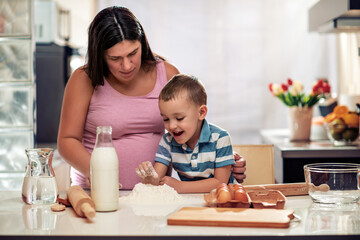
{"x": 17, "y": 98}
{"x": 290, "y": 157}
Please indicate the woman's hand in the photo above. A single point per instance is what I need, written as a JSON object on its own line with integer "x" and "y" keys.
{"x": 238, "y": 169}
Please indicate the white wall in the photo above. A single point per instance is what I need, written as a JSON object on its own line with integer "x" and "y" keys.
{"x": 81, "y": 13}
{"x": 237, "y": 47}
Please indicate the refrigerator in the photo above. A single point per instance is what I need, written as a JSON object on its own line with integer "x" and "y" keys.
{"x": 52, "y": 73}
{"x": 52, "y": 57}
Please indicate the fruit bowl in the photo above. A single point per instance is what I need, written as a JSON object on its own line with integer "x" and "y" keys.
{"x": 342, "y": 126}
{"x": 341, "y": 134}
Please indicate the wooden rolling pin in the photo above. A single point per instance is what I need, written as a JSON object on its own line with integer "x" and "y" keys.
{"x": 288, "y": 189}
{"x": 83, "y": 205}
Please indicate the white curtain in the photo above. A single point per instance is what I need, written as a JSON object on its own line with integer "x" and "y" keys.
{"x": 349, "y": 68}
{"x": 236, "y": 48}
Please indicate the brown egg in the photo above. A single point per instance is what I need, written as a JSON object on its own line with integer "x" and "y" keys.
{"x": 240, "y": 195}
{"x": 222, "y": 185}
{"x": 231, "y": 189}
{"x": 223, "y": 195}
{"x": 237, "y": 186}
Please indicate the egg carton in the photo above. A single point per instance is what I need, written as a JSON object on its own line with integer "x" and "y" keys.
{"x": 256, "y": 199}
{"x": 267, "y": 199}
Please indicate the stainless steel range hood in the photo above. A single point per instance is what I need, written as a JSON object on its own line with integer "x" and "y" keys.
{"x": 332, "y": 16}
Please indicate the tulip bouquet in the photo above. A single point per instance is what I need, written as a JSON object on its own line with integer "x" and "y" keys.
{"x": 291, "y": 93}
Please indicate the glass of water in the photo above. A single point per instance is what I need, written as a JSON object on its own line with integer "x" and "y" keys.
{"x": 333, "y": 183}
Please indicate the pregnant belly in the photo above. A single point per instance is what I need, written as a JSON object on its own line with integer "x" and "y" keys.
{"x": 131, "y": 152}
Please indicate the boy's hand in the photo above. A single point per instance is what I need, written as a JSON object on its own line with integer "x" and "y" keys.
{"x": 147, "y": 173}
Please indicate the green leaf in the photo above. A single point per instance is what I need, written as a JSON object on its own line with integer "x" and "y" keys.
{"x": 292, "y": 99}
{"x": 283, "y": 99}
{"x": 288, "y": 99}
{"x": 313, "y": 100}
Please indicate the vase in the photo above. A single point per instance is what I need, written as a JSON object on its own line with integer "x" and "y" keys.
{"x": 300, "y": 123}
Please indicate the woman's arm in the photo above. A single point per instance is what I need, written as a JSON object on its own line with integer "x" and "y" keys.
{"x": 221, "y": 175}
{"x": 74, "y": 110}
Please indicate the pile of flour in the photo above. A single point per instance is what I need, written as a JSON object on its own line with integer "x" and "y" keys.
{"x": 150, "y": 194}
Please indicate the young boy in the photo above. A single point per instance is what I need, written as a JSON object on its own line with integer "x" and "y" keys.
{"x": 200, "y": 152}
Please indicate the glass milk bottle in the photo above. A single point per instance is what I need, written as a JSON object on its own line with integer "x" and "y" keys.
{"x": 39, "y": 185}
{"x": 104, "y": 171}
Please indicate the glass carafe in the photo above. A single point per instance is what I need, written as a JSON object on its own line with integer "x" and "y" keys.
{"x": 39, "y": 186}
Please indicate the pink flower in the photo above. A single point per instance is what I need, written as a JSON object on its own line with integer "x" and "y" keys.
{"x": 270, "y": 87}
{"x": 320, "y": 83}
{"x": 291, "y": 93}
{"x": 315, "y": 89}
{"x": 326, "y": 88}
{"x": 284, "y": 87}
{"x": 289, "y": 81}
{"x": 297, "y": 88}
{"x": 277, "y": 89}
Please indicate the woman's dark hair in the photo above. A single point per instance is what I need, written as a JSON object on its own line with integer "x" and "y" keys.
{"x": 109, "y": 27}
{"x": 182, "y": 82}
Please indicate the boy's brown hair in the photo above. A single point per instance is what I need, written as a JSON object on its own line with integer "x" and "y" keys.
{"x": 183, "y": 82}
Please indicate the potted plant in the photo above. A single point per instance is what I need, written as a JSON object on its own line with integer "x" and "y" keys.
{"x": 300, "y": 104}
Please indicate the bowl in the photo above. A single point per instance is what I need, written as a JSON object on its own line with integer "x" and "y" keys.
{"x": 333, "y": 183}
{"x": 341, "y": 134}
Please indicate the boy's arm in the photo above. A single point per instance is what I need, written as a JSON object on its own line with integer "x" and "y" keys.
{"x": 221, "y": 175}
{"x": 161, "y": 169}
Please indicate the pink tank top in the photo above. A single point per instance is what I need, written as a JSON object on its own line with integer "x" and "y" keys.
{"x": 136, "y": 123}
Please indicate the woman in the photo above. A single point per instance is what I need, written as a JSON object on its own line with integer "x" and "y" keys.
{"x": 119, "y": 87}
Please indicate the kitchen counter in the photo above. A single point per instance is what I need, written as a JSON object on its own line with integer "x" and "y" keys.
{"x": 290, "y": 157}
{"x": 140, "y": 221}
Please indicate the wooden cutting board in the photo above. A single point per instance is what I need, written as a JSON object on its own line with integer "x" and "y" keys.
{"x": 232, "y": 217}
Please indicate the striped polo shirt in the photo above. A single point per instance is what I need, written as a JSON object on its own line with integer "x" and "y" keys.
{"x": 213, "y": 150}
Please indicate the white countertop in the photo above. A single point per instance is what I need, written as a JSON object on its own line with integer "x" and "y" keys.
{"x": 142, "y": 221}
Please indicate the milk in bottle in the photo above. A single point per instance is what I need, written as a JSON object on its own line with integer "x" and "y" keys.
{"x": 104, "y": 171}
